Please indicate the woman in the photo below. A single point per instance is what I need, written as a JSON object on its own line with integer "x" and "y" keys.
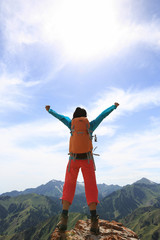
{"x": 83, "y": 161}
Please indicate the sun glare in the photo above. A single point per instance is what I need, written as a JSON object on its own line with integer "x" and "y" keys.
{"x": 85, "y": 29}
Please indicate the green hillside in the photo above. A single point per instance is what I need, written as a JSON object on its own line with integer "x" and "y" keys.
{"x": 123, "y": 202}
{"x": 44, "y": 230}
{"x": 31, "y": 216}
{"x": 22, "y": 212}
{"x": 137, "y": 206}
{"x": 145, "y": 221}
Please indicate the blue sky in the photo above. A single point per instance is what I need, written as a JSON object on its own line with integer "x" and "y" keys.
{"x": 79, "y": 53}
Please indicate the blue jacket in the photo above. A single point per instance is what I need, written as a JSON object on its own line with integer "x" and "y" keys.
{"x": 93, "y": 124}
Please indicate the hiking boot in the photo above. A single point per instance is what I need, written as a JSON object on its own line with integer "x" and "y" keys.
{"x": 62, "y": 225}
{"x": 94, "y": 224}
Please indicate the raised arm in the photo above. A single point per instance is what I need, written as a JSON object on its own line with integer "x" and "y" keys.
{"x": 62, "y": 118}
{"x": 95, "y": 123}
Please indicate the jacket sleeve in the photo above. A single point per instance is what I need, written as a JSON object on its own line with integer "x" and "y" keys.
{"x": 95, "y": 123}
{"x": 64, "y": 119}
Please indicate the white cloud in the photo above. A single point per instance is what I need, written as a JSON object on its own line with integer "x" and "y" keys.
{"x": 11, "y": 92}
{"x": 59, "y": 27}
{"x": 108, "y": 130}
{"x": 101, "y": 32}
{"x": 128, "y": 156}
{"x": 39, "y": 149}
{"x": 34, "y": 132}
{"x": 30, "y": 168}
{"x": 131, "y": 156}
{"x": 14, "y": 92}
{"x": 130, "y": 101}
{"x": 32, "y": 154}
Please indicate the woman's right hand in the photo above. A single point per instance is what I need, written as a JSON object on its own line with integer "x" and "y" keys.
{"x": 116, "y": 104}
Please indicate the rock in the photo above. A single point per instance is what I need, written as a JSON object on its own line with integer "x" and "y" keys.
{"x": 108, "y": 231}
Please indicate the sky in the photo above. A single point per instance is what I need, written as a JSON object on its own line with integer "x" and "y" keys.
{"x": 87, "y": 53}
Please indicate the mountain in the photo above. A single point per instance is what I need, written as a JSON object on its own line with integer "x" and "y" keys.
{"x": 145, "y": 221}
{"x": 144, "y": 181}
{"x": 121, "y": 203}
{"x": 104, "y": 190}
{"x": 54, "y": 188}
{"x": 22, "y": 212}
{"x": 44, "y": 229}
{"x": 33, "y": 216}
{"x": 108, "y": 230}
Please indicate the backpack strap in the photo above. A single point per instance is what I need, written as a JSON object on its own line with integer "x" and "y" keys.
{"x": 90, "y": 157}
{"x": 74, "y": 155}
{"x": 72, "y": 130}
{"x": 94, "y": 163}
{"x": 89, "y": 132}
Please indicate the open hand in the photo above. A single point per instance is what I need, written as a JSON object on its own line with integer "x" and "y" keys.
{"x": 47, "y": 107}
{"x": 116, "y": 104}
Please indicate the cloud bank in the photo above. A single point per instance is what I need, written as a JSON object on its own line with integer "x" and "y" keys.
{"x": 43, "y": 144}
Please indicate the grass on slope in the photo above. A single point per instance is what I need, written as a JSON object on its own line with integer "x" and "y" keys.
{"x": 25, "y": 211}
{"x": 123, "y": 202}
{"x": 145, "y": 222}
{"x": 44, "y": 229}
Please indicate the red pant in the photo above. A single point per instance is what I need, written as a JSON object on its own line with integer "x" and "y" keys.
{"x": 88, "y": 173}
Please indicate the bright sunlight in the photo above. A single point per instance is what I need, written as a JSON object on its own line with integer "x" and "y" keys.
{"x": 89, "y": 31}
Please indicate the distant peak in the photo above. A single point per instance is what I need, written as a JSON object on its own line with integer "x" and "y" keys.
{"x": 145, "y": 181}
{"x": 53, "y": 180}
{"x": 56, "y": 181}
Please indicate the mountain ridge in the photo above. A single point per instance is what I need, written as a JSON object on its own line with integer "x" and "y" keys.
{"x": 122, "y": 202}
{"x": 54, "y": 188}
{"x": 145, "y": 181}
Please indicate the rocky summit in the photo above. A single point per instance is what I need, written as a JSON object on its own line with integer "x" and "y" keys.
{"x": 108, "y": 231}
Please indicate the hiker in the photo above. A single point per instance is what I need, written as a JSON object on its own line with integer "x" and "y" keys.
{"x": 81, "y": 156}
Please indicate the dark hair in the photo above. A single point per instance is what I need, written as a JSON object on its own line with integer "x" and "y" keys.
{"x": 79, "y": 112}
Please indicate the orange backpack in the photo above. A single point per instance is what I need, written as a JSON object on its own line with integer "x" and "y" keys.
{"x": 81, "y": 139}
